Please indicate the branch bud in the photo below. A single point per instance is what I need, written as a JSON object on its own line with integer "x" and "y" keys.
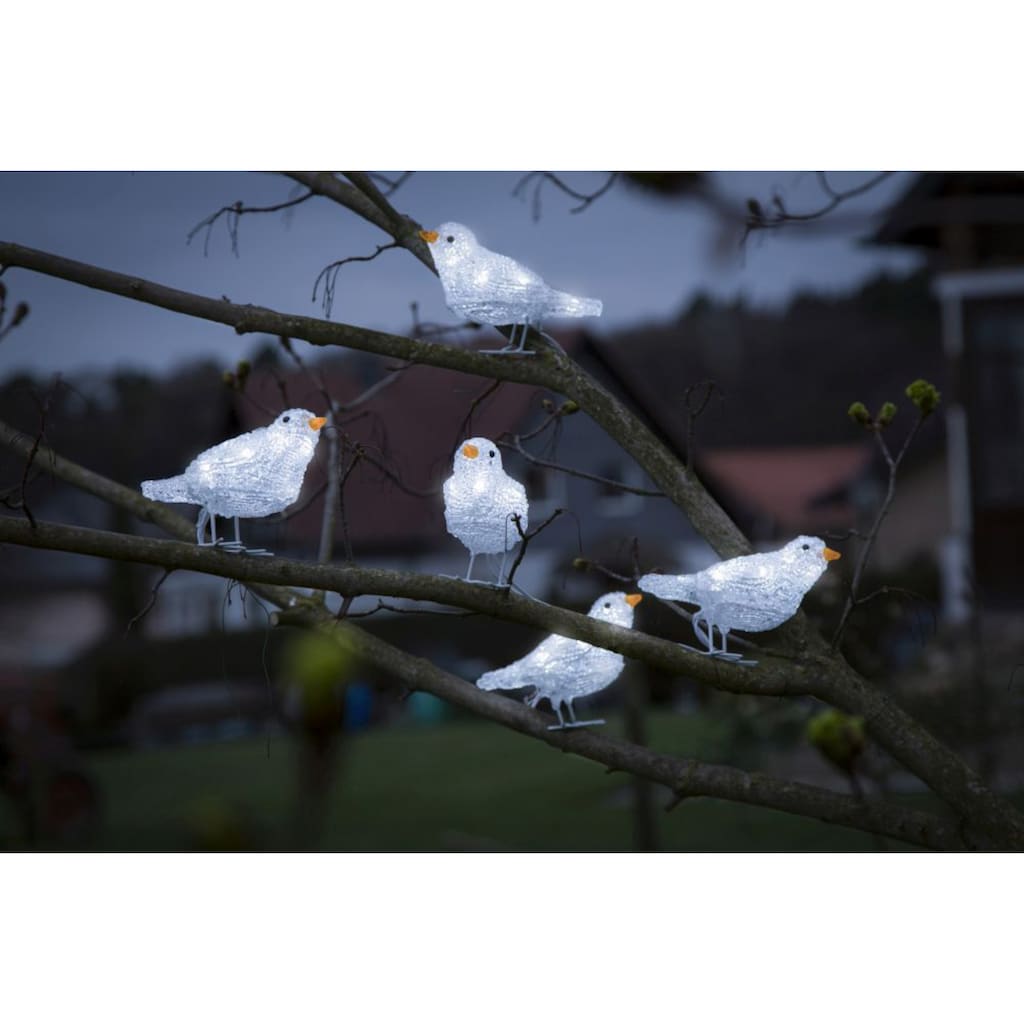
{"x": 838, "y": 737}
{"x": 858, "y": 412}
{"x": 925, "y": 396}
{"x": 886, "y": 414}
{"x": 581, "y": 563}
{"x": 568, "y": 408}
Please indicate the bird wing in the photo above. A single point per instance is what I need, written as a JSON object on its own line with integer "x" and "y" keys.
{"x": 554, "y": 658}
{"x": 495, "y": 289}
{"x": 751, "y": 581}
{"x": 745, "y": 572}
{"x": 514, "y": 274}
{"x": 236, "y": 453}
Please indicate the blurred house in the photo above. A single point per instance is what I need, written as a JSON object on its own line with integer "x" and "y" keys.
{"x": 971, "y": 227}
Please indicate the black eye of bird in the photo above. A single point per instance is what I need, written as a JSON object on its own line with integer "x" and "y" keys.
{"x": 492, "y": 454}
{"x": 607, "y": 604}
{"x": 806, "y": 547}
{"x": 450, "y": 238}
{"x": 287, "y": 419}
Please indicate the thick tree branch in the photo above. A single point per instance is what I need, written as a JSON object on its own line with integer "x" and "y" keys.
{"x": 686, "y": 777}
{"x": 403, "y": 230}
{"x": 775, "y": 677}
{"x": 831, "y": 679}
{"x": 904, "y": 738}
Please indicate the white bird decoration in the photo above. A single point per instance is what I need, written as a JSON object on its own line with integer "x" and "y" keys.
{"x": 753, "y": 593}
{"x": 561, "y": 669}
{"x": 480, "y": 501}
{"x": 489, "y": 288}
{"x": 255, "y": 474}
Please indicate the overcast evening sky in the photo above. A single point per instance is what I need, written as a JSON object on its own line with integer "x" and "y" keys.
{"x": 645, "y": 258}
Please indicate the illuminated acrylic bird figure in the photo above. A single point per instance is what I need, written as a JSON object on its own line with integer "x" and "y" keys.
{"x": 254, "y": 474}
{"x": 561, "y": 669}
{"x": 489, "y": 288}
{"x": 753, "y": 593}
{"x": 480, "y": 501}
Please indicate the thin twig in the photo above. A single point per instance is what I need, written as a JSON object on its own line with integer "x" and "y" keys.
{"x": 644, "y": 492}
{"x": 543, "y": 177}
{"x": 391, "y": 185}
{"x": 758, "y": 220}
{"x": 465, "y": 427}
{"x": 693, "y": 412}
{"x": 148, "y": 606}
{"x": 525, "y": 539}
{"x": 333, "y": 492}
{"x": 233, "y": 214}
{"x": 329, "y": 274}
{"x": 893, "y": 463}
{"x": 826, "y": 677}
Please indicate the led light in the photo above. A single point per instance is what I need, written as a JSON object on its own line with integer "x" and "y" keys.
{"x": 480, "y": 501}
{"x": 753, "y": 593}
{"x": 254, "y": 474}
{"x": 489, "y": 288}
{"x": 560, "y": 669}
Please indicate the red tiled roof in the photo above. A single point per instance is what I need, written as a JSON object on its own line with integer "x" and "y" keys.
{"x": 795, "y": 487}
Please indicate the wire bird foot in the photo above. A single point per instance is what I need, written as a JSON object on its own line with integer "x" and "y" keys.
{"x": 566, "y": 726}
{"x": 729, "y": 656}
{"x": 508, "y": 350}
{"x": 236, "y": 547}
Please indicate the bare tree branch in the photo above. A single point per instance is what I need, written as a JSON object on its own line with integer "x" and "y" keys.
{"x": 233, "y": 214}
{"x": 329, "y": 274}
{"x": 148, "y": 606}
{"x": 694, "y": 407}
{"x": 830, "y": 677}
{"x": 402, "y": 229}
{"x": 893, "y": 463}
{"x": 525, "y": 538}
{"x": 21, "y": 311}
{"x": 645, "y": 492}
{"x": 826, "y": 677}
{"x": 686, "y": 777}
{"x": 547, "y": 369}
{"x": 391, "y": 186}
{"x": 540, "y": 178}
{"x": 759, "y": 220}
{"x": 351, "y": 580}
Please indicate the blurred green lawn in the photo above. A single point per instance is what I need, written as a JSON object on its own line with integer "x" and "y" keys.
{"x": 464, "y": 785}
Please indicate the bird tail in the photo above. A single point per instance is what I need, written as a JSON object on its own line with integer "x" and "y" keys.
{"x": 672, "y": 588}
{"x": 564, "y": 304}
{"x": 171, "y": 489}
{"x": 500, "y": 679}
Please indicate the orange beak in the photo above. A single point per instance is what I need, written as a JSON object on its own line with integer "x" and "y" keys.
{"x": 429, "y": 236}
{"x": 470, "y": 451}
{"x": 317, "y": 422}
{"x": 830, "y": 555}
{"x": 634, "y": 599}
